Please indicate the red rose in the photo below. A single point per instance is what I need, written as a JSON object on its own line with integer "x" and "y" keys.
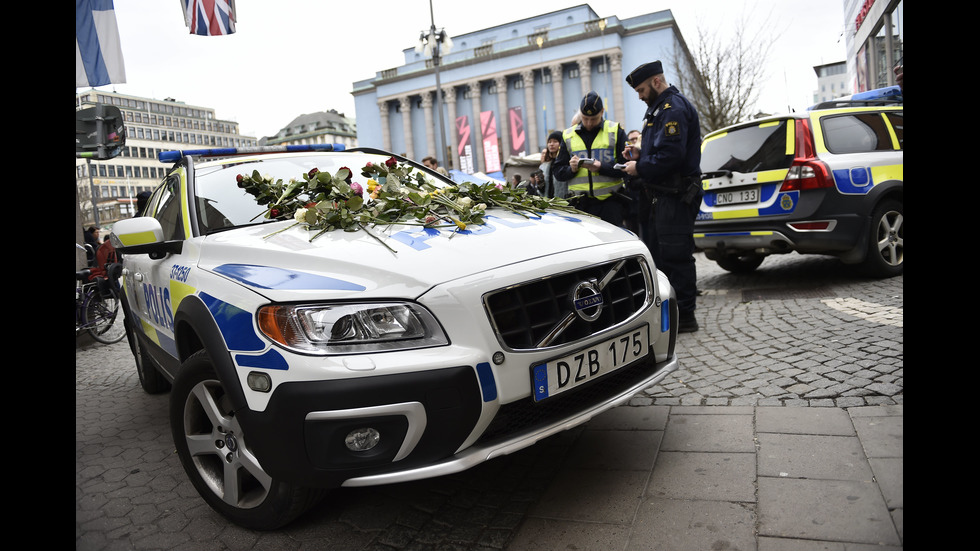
{"x": 274, "y": 213}
{"x": 313, "y": 172}
{"x": 239, "y": 178}
{"x": 391, "y": 162}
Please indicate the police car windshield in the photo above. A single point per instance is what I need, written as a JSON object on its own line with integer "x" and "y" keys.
{"x": 222, "y": 205}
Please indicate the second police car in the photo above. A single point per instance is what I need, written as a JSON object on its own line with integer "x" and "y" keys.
{"x": 302, "y": 357}
{"x": 826, "y": 181}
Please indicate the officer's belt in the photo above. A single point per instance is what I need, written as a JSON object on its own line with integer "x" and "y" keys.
{"x": 682, "y": 184}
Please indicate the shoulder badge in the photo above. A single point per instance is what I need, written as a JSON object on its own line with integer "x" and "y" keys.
{"x": 666, "y": 105}
{"x": 670, "y": 128}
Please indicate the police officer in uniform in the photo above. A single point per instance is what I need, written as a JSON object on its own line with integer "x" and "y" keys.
{"x": 596, "y": 187}
{"x": 669, "y": 162}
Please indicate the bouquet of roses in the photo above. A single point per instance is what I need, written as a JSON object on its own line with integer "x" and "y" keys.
{"x": 392, "y": 193}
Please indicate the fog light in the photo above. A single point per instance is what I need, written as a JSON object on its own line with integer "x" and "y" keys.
{"x": 259, "y": 382}
{"x": 362, "y": 440}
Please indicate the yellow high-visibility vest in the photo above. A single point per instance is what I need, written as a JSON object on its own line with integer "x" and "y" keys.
{"x": 603, "y": 149}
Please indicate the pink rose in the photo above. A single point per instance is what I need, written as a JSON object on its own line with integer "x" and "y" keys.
{"x": 357, "y": 189}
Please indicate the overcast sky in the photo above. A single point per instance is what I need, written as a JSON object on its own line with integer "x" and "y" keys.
{"x": 291, "y": 57}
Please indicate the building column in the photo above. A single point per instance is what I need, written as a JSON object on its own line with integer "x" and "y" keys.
{"x": 477, "y": 126}
{"x": 531, "y": 117}
{"x": 585, "y": 74}
{"x": 558, "y": 86}
{"x": 450, "y": 100}
{"x": 618, "y": 84}
{"x": 405, "y": 104}
{"x": 430, "y": 135}
{"x": 385, "y": 129}
{"x": 503, "y": 118}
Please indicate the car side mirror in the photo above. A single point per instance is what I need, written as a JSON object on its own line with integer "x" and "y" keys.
{"x": 143, "y": 235}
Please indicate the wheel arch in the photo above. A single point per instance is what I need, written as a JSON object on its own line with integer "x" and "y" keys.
{"x": 196, "y": 329}
{"x": 891, "y": 190}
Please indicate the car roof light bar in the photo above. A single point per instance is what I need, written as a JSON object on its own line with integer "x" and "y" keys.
{"x": 174, "y": 156}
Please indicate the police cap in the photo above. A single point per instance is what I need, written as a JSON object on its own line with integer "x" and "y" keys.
{"x": 591, "y": 105}
{"x": 643, "y": 72}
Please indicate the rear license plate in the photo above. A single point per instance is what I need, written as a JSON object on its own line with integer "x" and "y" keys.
{"x": 736, "y": 196}
{"x": 568, "y": 372}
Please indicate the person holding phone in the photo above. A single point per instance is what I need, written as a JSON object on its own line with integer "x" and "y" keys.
{"x": 668, "y": 161}
{"x": 586, "y": 162}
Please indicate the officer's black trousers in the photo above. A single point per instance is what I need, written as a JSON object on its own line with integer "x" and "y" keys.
{"x": 671, "y": 242}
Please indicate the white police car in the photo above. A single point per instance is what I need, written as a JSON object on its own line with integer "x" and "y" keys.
{"x": 308, "y": 345}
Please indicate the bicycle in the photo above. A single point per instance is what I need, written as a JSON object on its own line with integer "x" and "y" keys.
{"x": 97, "y": 307}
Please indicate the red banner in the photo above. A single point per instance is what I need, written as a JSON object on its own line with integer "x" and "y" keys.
{"x": 491, "y": 153}
{"x": 463, "y": 146}
{"x": 517, "y": 143}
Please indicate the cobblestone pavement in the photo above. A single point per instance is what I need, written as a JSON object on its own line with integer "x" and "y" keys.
{"x": 800, "y": 331}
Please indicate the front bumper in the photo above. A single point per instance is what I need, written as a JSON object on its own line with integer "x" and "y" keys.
{"x": 423, "y": 420}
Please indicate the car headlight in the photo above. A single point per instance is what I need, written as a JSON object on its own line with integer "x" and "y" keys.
{"x": 351, "y": 328}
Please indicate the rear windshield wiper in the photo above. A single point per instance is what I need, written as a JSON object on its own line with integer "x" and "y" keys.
{"x": 717, "y": 173}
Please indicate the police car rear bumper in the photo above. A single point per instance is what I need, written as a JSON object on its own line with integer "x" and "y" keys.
{"x": 821, "y": 236}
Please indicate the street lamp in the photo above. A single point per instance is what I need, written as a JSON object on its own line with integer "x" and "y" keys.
{"x": 434, "y": 42}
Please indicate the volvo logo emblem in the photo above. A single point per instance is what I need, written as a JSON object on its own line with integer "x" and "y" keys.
{"x": 587, "y": 300}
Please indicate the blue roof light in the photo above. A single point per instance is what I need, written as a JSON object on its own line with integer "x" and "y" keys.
{"x": 174, "y": 156}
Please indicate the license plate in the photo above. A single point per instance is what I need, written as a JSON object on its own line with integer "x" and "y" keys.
{"x": 736, "y": 196}
{"x": 571, "y": 371}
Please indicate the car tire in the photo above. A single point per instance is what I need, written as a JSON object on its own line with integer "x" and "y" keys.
{"x": 740, "y": 264}
{"x": 152, "y": 381}
{"x": 886, "y": 242}
{"x": 214, "y": 453}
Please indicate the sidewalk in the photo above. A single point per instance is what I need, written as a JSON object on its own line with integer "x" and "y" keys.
{"x": 731, "y": 477}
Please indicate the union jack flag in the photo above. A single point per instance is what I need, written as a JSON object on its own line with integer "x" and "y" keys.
{"x": 209, "y": 17}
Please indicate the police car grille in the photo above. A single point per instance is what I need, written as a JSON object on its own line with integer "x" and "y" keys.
{"x": 524, "y": 314}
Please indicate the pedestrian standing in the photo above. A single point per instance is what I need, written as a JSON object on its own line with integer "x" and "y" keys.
{"x": 586, "y": 160}
{"x": 553, "y": 186}
{"x": 669, "y": 162}
{"x": 92, "y": 244}
{"x": 638, "y": 216}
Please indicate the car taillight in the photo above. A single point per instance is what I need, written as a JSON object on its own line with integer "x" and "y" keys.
{"x": 806, "y": 172}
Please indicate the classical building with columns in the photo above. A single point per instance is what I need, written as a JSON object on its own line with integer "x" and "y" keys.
{"x": 505, "y": 88}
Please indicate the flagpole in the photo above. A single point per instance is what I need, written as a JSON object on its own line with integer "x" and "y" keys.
{"x": 435, "y": 64}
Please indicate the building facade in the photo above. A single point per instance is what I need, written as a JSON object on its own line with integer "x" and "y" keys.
{"x": 505, "y": 88}
{"x": 152, "y": 126}
{"x": 875, "y": 37}
{"x": 316, "y": 128}
{"x": 832, "y": 81}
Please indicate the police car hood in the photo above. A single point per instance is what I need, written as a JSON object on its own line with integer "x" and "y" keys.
{"x": 282, "y": 262}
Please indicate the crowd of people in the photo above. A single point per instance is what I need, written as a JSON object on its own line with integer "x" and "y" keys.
{"x": 647, "y": 180}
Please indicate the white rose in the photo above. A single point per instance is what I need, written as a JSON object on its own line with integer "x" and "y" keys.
{"x": 466, "y": 201}
{"x": 300, "y": 215}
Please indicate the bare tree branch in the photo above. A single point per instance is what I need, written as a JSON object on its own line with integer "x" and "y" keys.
{"x": 729, "y": 67}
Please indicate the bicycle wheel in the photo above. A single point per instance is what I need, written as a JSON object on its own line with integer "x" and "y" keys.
{"x": 100, "y": 314}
